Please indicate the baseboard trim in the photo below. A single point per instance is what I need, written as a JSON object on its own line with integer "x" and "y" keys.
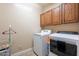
{"x": 22, "y": 52}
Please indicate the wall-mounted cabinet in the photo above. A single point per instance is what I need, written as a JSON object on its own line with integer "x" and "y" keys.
{"x": 48, "y": 18}
{"x": 70, "y": 12}
{"x": 42, "y": 20}
{"x": 45, "y": 19}
{"x": 56, "y": 15}
{"x": 62, "y": 14}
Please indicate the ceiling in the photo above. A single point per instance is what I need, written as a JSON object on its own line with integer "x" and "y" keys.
{"x": 45, "y": 4}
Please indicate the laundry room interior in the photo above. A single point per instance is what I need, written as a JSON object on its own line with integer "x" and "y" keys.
{"x": 39, "y": 29}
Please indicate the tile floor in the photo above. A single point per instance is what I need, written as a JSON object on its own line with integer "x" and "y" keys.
{"x": 29, "y": 53}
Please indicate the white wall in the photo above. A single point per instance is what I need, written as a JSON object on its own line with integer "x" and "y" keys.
{"x": 64, "y": 27}
{"x": 25, "y": 20}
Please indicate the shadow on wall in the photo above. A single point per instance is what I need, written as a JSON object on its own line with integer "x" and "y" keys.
{"x": 64, "y": 27}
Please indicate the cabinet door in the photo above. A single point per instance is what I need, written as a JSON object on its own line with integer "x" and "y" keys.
{"x": 48, "y": 18}
{"x": 56, "y": 15}
{"x": 70, "y": 12}
{"x": 42, "y": 20}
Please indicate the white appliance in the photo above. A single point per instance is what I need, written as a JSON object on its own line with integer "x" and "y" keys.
{"x": 68, "y": 38}
{"x": 40, "y": 47}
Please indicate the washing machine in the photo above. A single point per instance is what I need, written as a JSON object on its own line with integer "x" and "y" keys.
{"x": 40, "y": 47}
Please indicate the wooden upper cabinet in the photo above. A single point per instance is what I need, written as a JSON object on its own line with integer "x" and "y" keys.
{"x": 70, "y": 12}
{"x": 48, "y": 18}
{"x": 42, "y": 20}
{"x": 45, "y": 19}
{"x": 56, "y": 15}
{"x": 64, "y": 13}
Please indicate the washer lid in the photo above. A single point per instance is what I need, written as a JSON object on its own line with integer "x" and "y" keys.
{"x": 42, "y": 34}
{"x": 68, "y": 36}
